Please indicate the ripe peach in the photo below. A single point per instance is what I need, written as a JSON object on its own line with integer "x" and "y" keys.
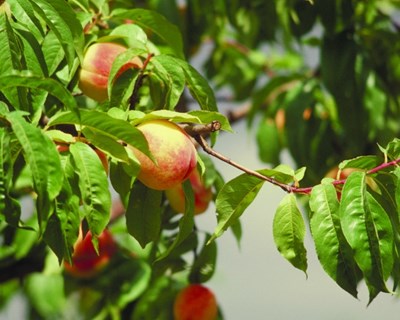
{"x": 85, "y": 261}
{"x": 96, "y": 67}
{"x": 202, "y": 195}
{"x": 173, "y": 151}
{"x": 195, "y": 302}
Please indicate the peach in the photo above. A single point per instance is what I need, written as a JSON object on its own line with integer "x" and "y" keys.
{"x": 96, "y": 67}
{"x": 85, "y": 260}
{"x": 173, "y": 151}
{"x": 202, "y": 195}
{"x": 195, "y": 302}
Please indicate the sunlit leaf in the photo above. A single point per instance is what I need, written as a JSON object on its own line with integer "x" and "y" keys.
{"x": 334, "y": 253}
{"x": 368, "y": 230}
{"x": 289, "y": 232}
{"x": 234, "y": 197}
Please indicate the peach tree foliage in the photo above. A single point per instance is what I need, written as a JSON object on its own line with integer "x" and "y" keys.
{"x": 338, "y": 108}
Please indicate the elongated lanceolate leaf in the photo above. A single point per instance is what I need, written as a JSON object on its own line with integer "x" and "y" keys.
{"x": 186, "y": 223}
{"x": 105, "y": 125}
{"x": 199, "y": 87}
{"x": 63, "y": 22}
{"x": 234, "y": 197}
{"x": 158, "y": 24}
{"x": 93, "y": 186}
{"x": 289, "y": 231}
{"x": 143, "y": 215}
{"x": 368, "y": 230}
{"x": 169, "y": 79}
{"x": 334, "y": 253}
{"x": 43, "y": 160}
{"x": 9, "y": 208}
{"x": 26, "y": 79}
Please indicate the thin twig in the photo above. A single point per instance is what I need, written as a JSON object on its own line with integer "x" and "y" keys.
{"x": 196, "y": 133}
{"x": 139, "y": 82}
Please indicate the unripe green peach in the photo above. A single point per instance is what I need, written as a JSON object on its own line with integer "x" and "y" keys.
{"x": 202, "y": 195}
{"x": 96, "y": 67}
{"x": 85, "y": 260}
{"x": 173, "y": 151}
{"x": 195, "y": 302}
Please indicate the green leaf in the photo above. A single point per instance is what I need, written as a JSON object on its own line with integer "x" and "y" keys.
{"x": 168, "y": 80}
{"x": 203, "y": 267}
{"x": 53, "y": 52}
{"x": 368, "y": 230}
{"x": 23, "y": 12}
{"x": 289, "y": 231}
{"x": 268, "y": 141}
{"x": 156, "y": 23}
{"x": 199, "y": 87}
{"x": 46, "y": 294}
{"x": 186, "y": 223}
{"x": 168, "y": 115}
{"x": 143, "y": 214}
{"x": 106, "y": 144}
{"x": 361, "y": 162}
{"x": 233, "y": 199}
{"x": 63, "y": 226}
{"x": 10, "y": 210}
{"x": 121, "y": 81}
{"x": 334, "y": 253}
{"x": 26, "y": 79}
{"x": 10, "y": 55}
{"x": 63, "y": 22}
{"x": 105, "y": 125}
{"x": 33, "y": 55}
{"x": 43, "y": 160}
{"x": 93, "y": 186}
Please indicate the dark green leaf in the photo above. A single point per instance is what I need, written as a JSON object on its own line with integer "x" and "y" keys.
{"x": 186, "y": 223}
{"x": 334, "y": 253}
{"x": 289, "y": 231}
{"x": 93, "y": 186}
{"x": 63, "y": 225}
{"x": 10, "y": 210}
{"x": 268, "y": 142}
{"x": 169, "y": 79}
{"x": 26, "y": 79}
{"x": 43, "y": 160}
{"x": 199, "y": 87}
{"x": 204, "y": 266}
{"x": 143, "y": 214}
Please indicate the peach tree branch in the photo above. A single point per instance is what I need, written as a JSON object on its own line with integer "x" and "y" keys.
{"x": 197, "y": 132}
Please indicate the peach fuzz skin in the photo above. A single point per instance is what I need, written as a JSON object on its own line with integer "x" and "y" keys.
{"x": 202, "y": 195}
{"x": 195, "y": 302}
{"x": 174, "y": 153}
{"x": 96, "y": 67}
{"x": 85, "y": 261}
